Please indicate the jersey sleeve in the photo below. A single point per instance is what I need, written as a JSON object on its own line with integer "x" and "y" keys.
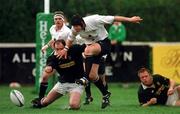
{"x": 141, "y": 97}
{"x": 111, "y": 30}
{"x": 72, "y": 34}
{"x": 162, "y": 79}
{"x": 51, "y": 61}
{"x": 145, "y": 95}
{"x": 100, "y": 19}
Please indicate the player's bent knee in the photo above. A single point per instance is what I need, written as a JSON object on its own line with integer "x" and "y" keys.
{"x": 87, "y": 51}
{"x": 47, "y": 72}
{"x": 48, "y": 69}
{"x": 44, "y": 79}
{"x": 74, "y": 106}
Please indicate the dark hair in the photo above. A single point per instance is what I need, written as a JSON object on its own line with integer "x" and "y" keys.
{"x": 60, "y": 40}
{"x": 77, "y": 20}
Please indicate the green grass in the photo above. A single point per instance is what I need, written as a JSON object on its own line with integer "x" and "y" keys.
{"x": 123, "y": 101}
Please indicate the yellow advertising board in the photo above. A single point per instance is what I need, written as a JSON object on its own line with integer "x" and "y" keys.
{"x": 166, "y": 61}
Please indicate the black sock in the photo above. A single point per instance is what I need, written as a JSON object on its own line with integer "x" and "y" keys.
{"x": 106, "y": 86}
{"x": 88, "y": 90}
{"x": 43, "y": 88}
{"x": 88, "y": 64}
{"x": 101, "y": 87}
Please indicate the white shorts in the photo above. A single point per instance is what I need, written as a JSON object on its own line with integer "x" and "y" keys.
{"x": 64, "y": 88}
{"x": 171, "y": 101}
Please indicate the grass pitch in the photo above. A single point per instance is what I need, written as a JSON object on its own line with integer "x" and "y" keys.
{"x": 123, "y": 101}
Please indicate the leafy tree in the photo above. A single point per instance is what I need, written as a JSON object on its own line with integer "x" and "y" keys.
{"x": 161, "y": 17}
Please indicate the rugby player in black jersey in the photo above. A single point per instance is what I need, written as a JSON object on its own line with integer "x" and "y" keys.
{"x": 70, "y": 70}
{"x": 157, "y": 90}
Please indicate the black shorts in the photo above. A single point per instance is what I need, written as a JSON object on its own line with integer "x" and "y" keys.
{"x": 105, "y": 50}
{"x": 105, "y": 46}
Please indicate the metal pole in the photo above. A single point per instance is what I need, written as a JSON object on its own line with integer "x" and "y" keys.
{"x": 46, "y": 6}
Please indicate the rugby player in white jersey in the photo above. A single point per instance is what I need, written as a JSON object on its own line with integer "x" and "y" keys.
{"x": 92, "y": 29}
{"x": 58, "y": 31}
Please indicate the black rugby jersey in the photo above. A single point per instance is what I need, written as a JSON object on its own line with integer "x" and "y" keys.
{"x": 158, "y": 90}
{"x": 71, "y": 68}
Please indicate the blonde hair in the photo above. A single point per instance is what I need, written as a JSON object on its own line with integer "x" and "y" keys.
{"x": 143, "y": 69}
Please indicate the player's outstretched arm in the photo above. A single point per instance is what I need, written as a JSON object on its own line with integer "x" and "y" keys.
{"x": 134, "y": 19}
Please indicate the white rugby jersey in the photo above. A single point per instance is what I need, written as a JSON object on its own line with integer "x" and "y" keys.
{"x": 79, "y": 40}
{"x": 63, "y": 33}
{"x": 94, "y": 30}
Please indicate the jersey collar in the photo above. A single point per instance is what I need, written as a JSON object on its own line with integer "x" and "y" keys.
{"x": 145, "y": 87}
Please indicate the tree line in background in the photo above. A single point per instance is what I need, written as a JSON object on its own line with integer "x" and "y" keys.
{"x": 161, "y": 17}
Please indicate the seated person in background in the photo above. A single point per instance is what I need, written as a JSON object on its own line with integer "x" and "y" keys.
{"x": 70, "y": 70}
{"x": 157, "y": 90}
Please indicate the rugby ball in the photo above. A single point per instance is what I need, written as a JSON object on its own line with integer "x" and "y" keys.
{"x": 17, "y": 98}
